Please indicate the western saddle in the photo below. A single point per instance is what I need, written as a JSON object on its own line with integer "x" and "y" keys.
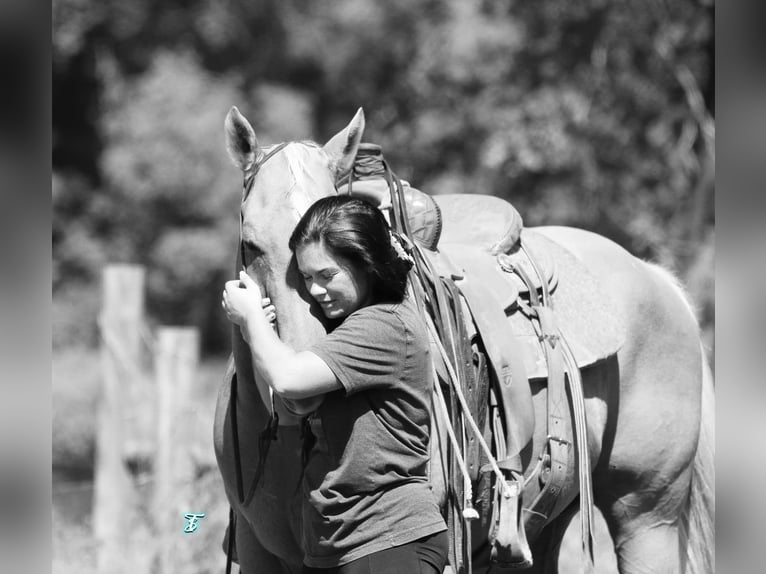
{"x": 474, "y": 271}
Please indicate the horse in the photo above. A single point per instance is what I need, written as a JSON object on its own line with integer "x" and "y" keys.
{"x": 649, "y": 406}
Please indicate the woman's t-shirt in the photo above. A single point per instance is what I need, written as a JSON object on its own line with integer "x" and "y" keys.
{"x": 365, "y": 478}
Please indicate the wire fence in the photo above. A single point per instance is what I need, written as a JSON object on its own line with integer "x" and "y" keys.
{"x": 149, "y": 468}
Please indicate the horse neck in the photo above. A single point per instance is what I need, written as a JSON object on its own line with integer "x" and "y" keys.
{"x": 307, "y": 181}
{"x": 298, "y": 329}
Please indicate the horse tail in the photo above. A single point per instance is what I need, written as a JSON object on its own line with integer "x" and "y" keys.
{"x": 676, "y": 285}
{"x": 698, "y": 521}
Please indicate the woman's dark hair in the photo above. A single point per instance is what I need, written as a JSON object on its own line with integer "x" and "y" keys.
{"x": 355, "y": 229}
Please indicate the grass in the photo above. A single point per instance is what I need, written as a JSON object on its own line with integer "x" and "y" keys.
{"x": 76, "y": 383}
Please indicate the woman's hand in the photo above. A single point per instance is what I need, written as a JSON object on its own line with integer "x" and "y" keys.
{"x": 243, "y": 301}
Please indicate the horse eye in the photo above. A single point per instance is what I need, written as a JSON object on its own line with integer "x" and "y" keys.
{"x": 253, "y": 250}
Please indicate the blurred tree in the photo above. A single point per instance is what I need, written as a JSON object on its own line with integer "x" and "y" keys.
{"x": 594, "y": 114}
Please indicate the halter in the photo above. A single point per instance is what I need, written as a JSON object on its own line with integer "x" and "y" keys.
{"x": 269, "y": 433}
{"x": 246, "y": 187}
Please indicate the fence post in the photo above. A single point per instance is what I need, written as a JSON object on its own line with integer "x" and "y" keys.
{"x": 176, "y": 362}
{"x": 115, "y": 498}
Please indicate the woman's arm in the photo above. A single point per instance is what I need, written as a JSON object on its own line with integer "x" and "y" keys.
{"x": 292, "y": 374}
{"x": 302, "y": 407}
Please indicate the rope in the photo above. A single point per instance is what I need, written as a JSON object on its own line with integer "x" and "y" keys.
{"x": 466, "y": 411}
{"x": 469, "y": 513}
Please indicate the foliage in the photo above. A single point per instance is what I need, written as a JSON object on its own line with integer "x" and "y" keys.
{"x": 590, "y": 114}
{"x": 76, "y": 384}
{"x": 76, "y": 379}
{"x": 596, "y": 114}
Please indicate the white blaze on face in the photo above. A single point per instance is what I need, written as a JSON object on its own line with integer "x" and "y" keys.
{"x": 306, "y": 179}
{"x": 311, "y": 175}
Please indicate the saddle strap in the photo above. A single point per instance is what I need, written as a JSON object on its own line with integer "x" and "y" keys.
{"x": 230, "y": 534}
{"x": 510, "y": 371}
{"x": 563, "y": 370}
{"x": 453, "y": 519}
{"x": 468, "y": 378}
{"x": 509, "y": 547}
{"x": 585, "y": 479}
{"x": 461, "y": 353}
{"x": 542, "y": 507}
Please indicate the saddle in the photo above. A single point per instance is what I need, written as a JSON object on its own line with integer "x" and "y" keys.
{"x": 512, "y": 306}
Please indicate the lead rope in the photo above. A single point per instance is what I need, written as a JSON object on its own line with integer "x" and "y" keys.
{"x": 230, "y": 541}
{"x": 470, "y": 511}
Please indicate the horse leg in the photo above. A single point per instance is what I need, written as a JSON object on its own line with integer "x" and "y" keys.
{"x": 643, "y": 478}
{"x": 647, "y": 543}
{"x": 649, "y": 437}
{"x": 667, "y": 528}
{"x": 253, "y": 557}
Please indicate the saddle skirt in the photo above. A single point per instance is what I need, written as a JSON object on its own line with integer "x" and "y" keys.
{"x": 586, "y": 315}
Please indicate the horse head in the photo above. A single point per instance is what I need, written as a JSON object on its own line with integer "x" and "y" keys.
{"x": 280, "y": 183}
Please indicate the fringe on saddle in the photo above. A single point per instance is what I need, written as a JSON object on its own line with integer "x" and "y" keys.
{"x": 487, "y": 395}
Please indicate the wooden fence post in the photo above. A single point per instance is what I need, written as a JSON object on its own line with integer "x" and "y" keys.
{"x": 115, "y": 498}
{"x": 176, "y": 363}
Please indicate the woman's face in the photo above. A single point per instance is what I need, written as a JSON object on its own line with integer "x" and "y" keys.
{"x": 334, "y": 282}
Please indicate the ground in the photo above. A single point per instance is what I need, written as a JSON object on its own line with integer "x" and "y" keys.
{"x": 76, "y": 379}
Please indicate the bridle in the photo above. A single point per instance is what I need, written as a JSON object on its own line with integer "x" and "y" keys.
{"x": 269, "y": 433}
{"x": 247, "y": 186}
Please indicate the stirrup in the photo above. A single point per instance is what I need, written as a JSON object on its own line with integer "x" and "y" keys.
{"x": 509, "y": 547}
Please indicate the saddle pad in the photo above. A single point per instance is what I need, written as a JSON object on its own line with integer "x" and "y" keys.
{"x": 584, "y": 312}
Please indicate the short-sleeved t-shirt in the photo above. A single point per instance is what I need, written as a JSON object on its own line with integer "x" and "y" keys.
{"x": 365, "y": 478}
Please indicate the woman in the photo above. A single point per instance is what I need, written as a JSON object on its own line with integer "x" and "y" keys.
{"x": 368, "y": 506}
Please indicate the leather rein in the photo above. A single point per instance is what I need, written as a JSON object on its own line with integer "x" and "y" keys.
{"x": 269, "y": 433}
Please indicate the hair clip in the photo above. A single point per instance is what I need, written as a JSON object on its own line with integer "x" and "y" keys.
{"x": 400, "y": 252}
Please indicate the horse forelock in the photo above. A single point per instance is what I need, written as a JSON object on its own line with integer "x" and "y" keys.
{"x": 309, "y": 167}
{"x": 306, "y": 179}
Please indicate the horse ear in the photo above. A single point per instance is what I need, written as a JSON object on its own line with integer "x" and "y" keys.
{"x": 241, "y": 143}
{"x": 342, "y": 146}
